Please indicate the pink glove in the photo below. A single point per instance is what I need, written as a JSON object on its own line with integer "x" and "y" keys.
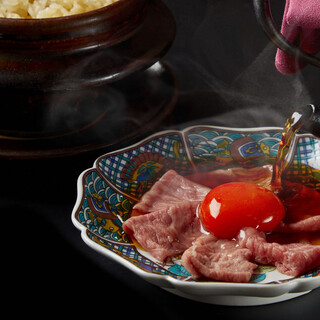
{"x": 300, "y": 26}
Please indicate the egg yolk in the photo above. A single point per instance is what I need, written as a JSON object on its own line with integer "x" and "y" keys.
{"x": 232, "y": 206}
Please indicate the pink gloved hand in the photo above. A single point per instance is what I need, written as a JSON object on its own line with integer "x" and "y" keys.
{"x": 304, "y": 13}
{"x": 301, "y": 27}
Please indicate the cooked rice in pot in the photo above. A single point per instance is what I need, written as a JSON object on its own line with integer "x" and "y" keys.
{"x": 38, "y": 9}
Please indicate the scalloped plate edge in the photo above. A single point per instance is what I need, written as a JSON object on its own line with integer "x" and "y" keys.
{"x": 296, "y": 286}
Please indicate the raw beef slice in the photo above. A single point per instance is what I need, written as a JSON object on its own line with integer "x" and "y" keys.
{"x": 166, "y": 232}
{"x": 168, "y": 190}
{"x": 218, "y": 259}
{"x": 309, "y": 224}
{"x": 291, "y": 259}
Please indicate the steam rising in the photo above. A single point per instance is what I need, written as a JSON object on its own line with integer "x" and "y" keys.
{"x": 264, "y": 96}
{"x": 258, "y": 96}
{"x": 225, "y": 69}
{"x": 229, "y": 65}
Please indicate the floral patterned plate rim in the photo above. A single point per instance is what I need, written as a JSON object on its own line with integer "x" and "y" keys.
{"x": 107, "y": 192}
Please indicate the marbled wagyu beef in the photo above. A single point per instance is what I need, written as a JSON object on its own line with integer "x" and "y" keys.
{"x": 309, "y": 224}
{"x": 166, "y": 232}
{"x": 291, "y": 259}
{"x": 170, "y": 189}
{"x": 219, "y": 259}
{"x": 168, "y": 223}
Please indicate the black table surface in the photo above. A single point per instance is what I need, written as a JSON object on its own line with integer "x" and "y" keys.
{"x": 224, "y": 65}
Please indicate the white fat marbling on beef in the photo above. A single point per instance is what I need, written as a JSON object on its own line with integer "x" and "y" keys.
{"x": 291, "y": 259}
{"x": 166, "y": 232}
{"x": 170, "y": 189}
{"x": 218, "y": 259}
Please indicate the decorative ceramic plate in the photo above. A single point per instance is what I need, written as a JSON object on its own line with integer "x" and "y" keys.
{"x": 108, "y": 191}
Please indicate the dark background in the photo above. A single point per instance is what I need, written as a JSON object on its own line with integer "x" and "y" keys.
{"x": 224, "y": 65}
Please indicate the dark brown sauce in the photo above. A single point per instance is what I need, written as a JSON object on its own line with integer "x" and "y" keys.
{"x": 292, "y": 125}
{"x": 301, "y": 202}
